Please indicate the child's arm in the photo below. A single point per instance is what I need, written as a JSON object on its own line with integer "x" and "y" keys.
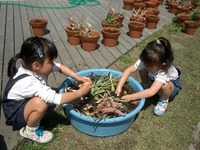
{"x": 155, "y": 87}
{"x": 123, "y": 79}
{"x": 70, "y": 96}
{"x": 67, "y": 71}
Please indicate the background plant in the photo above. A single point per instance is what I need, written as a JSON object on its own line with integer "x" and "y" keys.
{"x": 194, "y": 13}
{"x": 112, "y": 16}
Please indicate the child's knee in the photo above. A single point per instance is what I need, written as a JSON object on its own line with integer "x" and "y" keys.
{"x": 167, "y": 88}
{"x": 40, "y": 105}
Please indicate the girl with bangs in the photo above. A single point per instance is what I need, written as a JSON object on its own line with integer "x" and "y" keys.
{"x": 26, "y": 96}
{"x": 158, "y": 75}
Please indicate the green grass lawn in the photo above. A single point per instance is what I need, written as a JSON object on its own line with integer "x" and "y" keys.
{"x": 148, "y": 132}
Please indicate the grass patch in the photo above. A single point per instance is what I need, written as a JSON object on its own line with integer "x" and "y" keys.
{"x": 170, "y": 132}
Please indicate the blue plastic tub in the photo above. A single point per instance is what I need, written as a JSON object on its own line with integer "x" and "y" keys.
{"x": 101, "y": 127}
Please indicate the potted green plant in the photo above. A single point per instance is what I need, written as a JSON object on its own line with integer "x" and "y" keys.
{"x": 196, "y": 3}
{"x": 195, "y": 14}
{"x": 112, "y": 18}
{"x": 89, "y": 38}
{"x": 73, "y": 30}
{"x": 183, "y": 7}
{"x": 38, "y": 26}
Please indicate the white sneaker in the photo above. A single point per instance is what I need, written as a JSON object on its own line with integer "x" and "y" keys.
{"x": 39, "y": 135}
{"x": 160, "y": 108}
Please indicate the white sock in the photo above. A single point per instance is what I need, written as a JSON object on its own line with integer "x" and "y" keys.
{"x": 165, "y": 101}
{"x": 31, "y": 129}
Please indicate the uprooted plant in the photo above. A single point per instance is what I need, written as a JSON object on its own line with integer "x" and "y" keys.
{"x": 101, "y": 101}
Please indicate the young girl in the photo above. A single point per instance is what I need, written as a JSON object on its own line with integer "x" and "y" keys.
{"x": 157, "y": 73}
{"x": 26, "y": 95}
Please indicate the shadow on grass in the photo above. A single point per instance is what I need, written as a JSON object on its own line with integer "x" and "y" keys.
{"x": 150, "y": 101}
{"x": 53, "y": 118}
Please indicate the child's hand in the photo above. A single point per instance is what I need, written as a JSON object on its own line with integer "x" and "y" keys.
{"x": 129, "y": 99}
{"x": 84, "y": 79}
{"x": 86, "y": 86}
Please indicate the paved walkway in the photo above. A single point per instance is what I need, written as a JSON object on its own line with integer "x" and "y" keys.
{"x": 15, "y": 29}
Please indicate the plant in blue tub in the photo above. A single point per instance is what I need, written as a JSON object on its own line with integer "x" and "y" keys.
{"x": 102, "y": 102}
{"x": 106, "y": 126}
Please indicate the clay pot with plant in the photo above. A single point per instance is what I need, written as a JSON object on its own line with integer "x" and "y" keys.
{"x": 195, "y": 14}
{"x": 110, "y": 36}
{"x": 89, "y": 38}
{"x": 196, "y": 3}
{"x": 173, "y": 7}
{"x": 120, "y": 19}
{"x": 151, "y": 4}
{"x": 183, "y": 8}
{"x": 112, "y": 19}
{"x": 151, "y": 21}
{"x": 181, "y": 18}
{"x": 128, "y": 4}
{"x": 191, "y": 27}
{"x": 38, "y": 26}
{"x": 72, "y": 31}
{"x": 138, "y": 5}
{"x": 152, "y": 11}
{"x": 135, "y": 29}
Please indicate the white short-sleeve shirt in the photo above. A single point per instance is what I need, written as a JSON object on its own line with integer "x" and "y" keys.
{"x": 160, "y": 75}
{"x": 34, "y": 85}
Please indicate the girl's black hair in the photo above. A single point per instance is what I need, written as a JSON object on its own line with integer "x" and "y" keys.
{"x": 33, "y": 49}
{"x": 158, "y": 53}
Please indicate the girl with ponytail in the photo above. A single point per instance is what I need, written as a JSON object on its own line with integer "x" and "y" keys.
{"x": 26, "y": 95}
{"x": 158, "y": 74}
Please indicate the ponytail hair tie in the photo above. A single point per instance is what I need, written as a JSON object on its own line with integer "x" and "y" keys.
{"x": 158, "y": 42}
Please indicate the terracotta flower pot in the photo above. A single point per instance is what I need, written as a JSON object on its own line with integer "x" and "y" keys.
{"x": 139, "y": 5}
{"x": 151, "y": 21}
{"x": 120, "y": 20}
{"x": 135, "y": 29}
{"x": 151, "y": 4}
{"x": 110, "y": 36}
{"x": 181, "y": 18}
{"x": 173, "y": 7}
{"x": 191, "y": 27}
{"x": 73, "y": 37}
{"x": 38, "y": 26}
{"x": 128, "y": 4}
{"x": 158, "y": 2}
{"x": 183, "y": 9}
{"x": 89, "y": 43}
{"x": 152, "y": 11}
